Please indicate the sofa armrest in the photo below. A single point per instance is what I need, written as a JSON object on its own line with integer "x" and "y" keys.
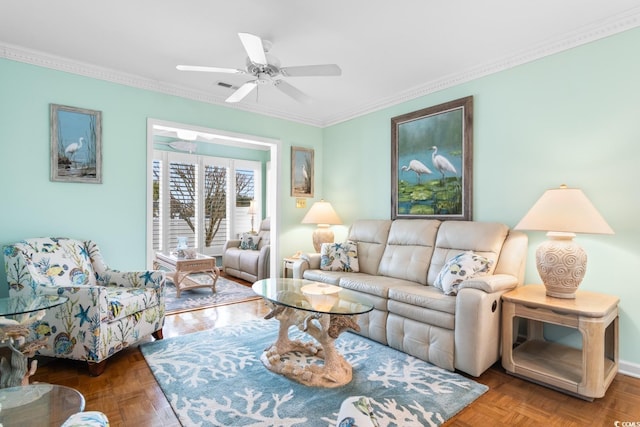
{"x": 263, "y": 262}
{"x": 306, "y": 262}
{"x": 478, "y": 315}
{"x": 491, "y": 284}
{"x": 233, "y": 243}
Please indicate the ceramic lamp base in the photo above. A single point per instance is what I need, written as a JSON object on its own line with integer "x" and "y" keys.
{"x": 562, "y": 264}
{"x": 322, "y": 234}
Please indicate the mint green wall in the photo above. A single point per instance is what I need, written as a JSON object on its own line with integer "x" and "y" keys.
{"x": 112, "y": 213}
{"x": 572, "y": 118}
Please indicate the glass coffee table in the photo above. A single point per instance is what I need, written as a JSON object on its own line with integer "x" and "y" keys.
{"x": 320, "y": 310}
{"x": 39, "y": 405}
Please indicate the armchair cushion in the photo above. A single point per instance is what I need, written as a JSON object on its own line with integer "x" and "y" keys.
{"x": 87, "y": 419}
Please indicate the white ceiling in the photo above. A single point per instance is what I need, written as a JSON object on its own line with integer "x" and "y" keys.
{"x": 389, "y": 51}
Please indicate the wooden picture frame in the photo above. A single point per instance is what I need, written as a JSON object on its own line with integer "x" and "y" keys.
{"x": 76, "y": 144}
{"x": 302, "y": 172}
{"x": 432, "y": 162}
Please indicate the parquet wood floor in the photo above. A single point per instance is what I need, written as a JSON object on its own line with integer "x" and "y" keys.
{"x": 128, "y": 393}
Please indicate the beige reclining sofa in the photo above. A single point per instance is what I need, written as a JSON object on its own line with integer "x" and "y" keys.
{"x": 399, "y": 262}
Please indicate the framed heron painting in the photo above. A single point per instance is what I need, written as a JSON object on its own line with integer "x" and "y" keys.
{"x": 431, "y": 162}
{"x": 76, "y": 144}
{"x": 301, "y": 172}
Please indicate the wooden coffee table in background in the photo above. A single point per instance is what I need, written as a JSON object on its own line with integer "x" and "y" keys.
{"x": 183, "y": 267}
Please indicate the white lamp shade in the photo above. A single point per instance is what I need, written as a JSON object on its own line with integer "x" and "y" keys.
{"x": 564, "y": 210}
{"x": 321, "y": 213}
{"x": 560, "y": 261}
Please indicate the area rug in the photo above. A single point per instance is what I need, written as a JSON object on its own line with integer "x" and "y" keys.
{"x": 216, "y": 378}
{"x": 227, "y": 292}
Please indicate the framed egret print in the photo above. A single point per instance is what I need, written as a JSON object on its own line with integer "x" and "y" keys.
{"x": 302, "y": 172}
{"x": 431, "y": 162}
{"x": 76, "y": 144}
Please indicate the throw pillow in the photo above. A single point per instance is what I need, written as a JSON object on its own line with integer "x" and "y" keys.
{"x": 249, "y": 241}
{"x": 339, "y": 257}
{"x": 464, "y": 266}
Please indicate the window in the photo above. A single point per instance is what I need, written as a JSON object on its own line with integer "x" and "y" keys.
{"x": 194, "y": 197}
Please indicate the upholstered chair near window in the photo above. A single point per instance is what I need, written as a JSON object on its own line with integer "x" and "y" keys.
{"x": 107, "y": 310}
{"x": 248, "y": 257}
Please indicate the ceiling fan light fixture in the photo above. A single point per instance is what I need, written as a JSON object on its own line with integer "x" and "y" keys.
{"x": 266, "y": 68}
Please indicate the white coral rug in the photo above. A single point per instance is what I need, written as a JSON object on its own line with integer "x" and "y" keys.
{"x": 215, "y": 378}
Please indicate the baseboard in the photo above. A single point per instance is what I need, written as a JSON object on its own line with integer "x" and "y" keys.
{"x": 630, "y": 369}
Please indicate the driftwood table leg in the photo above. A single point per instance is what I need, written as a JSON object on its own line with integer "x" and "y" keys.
{"x": 324, "y": 328}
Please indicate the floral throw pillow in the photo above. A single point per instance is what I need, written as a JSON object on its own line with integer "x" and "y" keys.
{"x": 339, "y": 257}
{"x": 464, "y": 266}
{"x": 249, "y": 241}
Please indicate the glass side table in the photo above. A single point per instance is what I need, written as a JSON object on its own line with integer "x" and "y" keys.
{"x": 38, "y": 405}
{"x": 14, "y": 347}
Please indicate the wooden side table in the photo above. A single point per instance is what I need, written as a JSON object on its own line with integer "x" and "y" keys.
{"x": 586, "y": 372}
{"x": 287, "y": 267}
{"x": 183, "y": 267}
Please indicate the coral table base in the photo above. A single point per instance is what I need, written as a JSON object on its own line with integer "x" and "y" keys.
{"x": 324, "y": 328}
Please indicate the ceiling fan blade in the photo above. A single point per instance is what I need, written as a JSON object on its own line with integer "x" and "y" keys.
{"x": 209, "y": 69}
{"x": 254, "y": 47}
{"x": 243, "y": 91}
{"x": 292, "y": 91}
{"x": 311, "y": 70}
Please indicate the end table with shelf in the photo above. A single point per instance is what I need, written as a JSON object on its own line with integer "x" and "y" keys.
{"x": 585, "y": 372}
{"x": 183, "y": 267}
{"x": 287, "y": 266}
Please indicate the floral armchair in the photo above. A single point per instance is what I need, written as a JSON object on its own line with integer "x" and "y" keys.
{"x": 107, "y": 310}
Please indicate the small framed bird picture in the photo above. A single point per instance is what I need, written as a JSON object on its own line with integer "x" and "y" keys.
{"x": 431, "y": 162}
{"x": 301, "y": 172}
{"x": 76, "y": 144}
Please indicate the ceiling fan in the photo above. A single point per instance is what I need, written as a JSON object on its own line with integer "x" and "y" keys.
{"x": 266, "y": 70}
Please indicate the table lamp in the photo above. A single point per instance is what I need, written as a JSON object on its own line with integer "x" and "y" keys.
{"x": 321, "y": 213}
{"x": 561, "y": 262}
{"x": 252, "y": 212}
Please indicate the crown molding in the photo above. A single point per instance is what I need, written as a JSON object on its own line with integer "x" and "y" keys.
{"x": 604, "y": 28}
{"x": 41, "y": 59}
{"x": 587, "y": 34}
